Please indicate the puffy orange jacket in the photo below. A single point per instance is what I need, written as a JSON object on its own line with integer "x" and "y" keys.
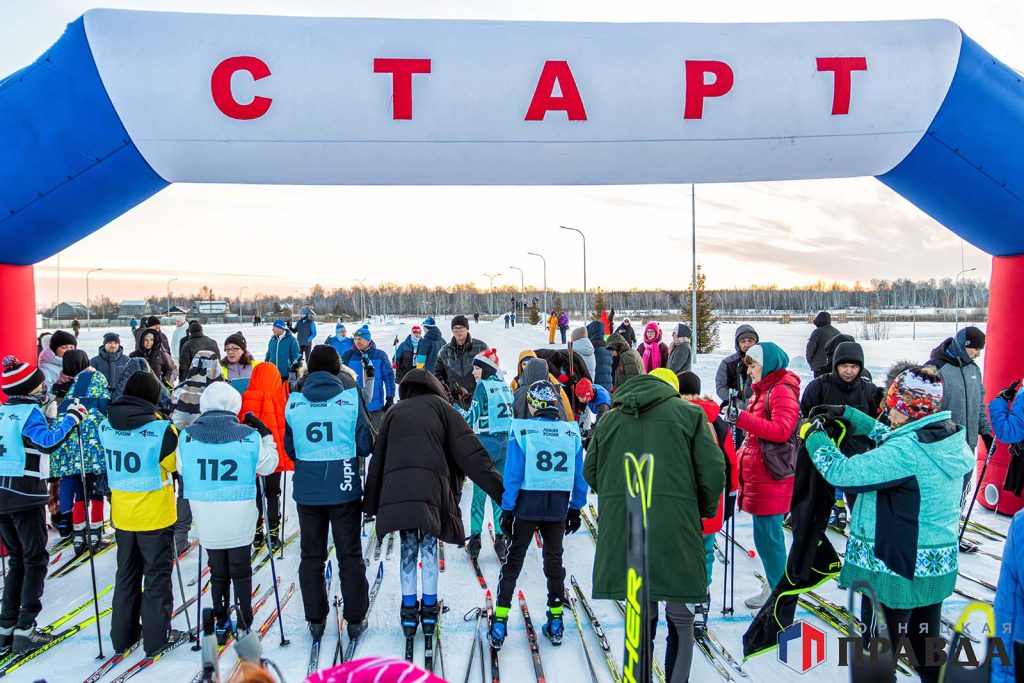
{"x": 265, "y": 398}
{"x": 712, "y": 525}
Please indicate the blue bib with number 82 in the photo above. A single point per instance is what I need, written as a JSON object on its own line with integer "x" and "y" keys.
{"x": 550, "y": 447}
{"x": 219, "y": 472}
{"x": 324, "y": 430}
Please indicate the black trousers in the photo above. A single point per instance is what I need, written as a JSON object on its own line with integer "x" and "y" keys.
{"x": 344, "y": 521}
{"x": 24, "y": 536}
{"x": 142, "y": 588}
{"x": 916, "y": 625}
{"x": 231, "y": 566}
{"x": 551, "y": 533}
{"x": 272, "y": 484}
{"x": 305, "y": 352}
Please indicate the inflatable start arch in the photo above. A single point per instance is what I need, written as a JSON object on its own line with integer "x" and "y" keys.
{"x": 127, "y": 102}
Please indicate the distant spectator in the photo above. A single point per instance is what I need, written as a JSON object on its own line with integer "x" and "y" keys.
{"x": 340, "y": 339}
{"x": 153, "y": 323}
{"x": 178, "y": 336}
{"x": 819, "y": 338}
{"x": 680, "y": 354}
{"x": 134, "y": 324}
{"x": 407, "y": 354}
{"x": 76, "y": 326}
{"x": 305, "y": 332}
{"x": 111, "y": 359}
{"x": 283, "y": 350}
{"x": 196, "y": 342}
{"x": 627, "y": 332}
{"x": 159, "y": 360}
{"x": 51, "y": 359}
{"x": 237, "y": 363}
{"x": 652, "y": 350}
{"x": 362, "y": 356}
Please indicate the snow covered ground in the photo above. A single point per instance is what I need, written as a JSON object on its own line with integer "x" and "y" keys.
{"x": 75, "y": 659}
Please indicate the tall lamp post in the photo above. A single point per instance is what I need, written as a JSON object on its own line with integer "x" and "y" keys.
{"x": 173, "y": 279}
{"x": 362, "y": 297}
{"x": 490, "y": 297}
{"x": 584, "y": 266}
{"x": 88, "y": 310}
{"x": 522, "y": 289}
{"x": 956, "y": 294}
{"x": 544, "y": 261}
{"x": 240, "y": 290}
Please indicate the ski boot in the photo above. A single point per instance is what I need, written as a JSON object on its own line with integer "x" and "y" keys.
{"x": 428, "y": 617}
{"x": 410, "y": 619}
{"x": 173, "y": 636}
{"x": 497, "y": 631}
{"x": 259, "y": 539}
{"x": 473, "y": 546}
{"x": 700, "y": 619}
{"x": 6, "y": 638}
{"x": 316, "y": 629}
{"x": 29, "y": 640}
{"x": 224, "y": 629}
{"x": 554, "y": 628}
{"x": 838, "y": 517}
{"x": 275, "y": 538}
{"x": 95, "y": 536}
{"x": 355, "y": 630}
{"x": 501, "y": 547}
{"x": 79, "y": 540}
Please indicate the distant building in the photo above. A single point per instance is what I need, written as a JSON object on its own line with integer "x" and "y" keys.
{"x": 69, "y": 310}
{"x": 209, "y": 311}
{"x": 133, "y": 308}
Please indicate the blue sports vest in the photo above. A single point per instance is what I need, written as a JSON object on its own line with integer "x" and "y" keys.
{"x": 12, "y": 448}
{"x": 324, "y": 430}
{"x": 133, "y": 456}
{"x": 499, "y": 406}
{"x": 550, "y": 447}
{"x": 219, "y": 472}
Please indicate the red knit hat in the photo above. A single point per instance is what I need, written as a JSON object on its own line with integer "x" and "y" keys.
{"x": 20, "y": 379}
{"x": 488, "y": 358}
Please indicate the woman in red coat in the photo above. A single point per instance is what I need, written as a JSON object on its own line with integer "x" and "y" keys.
{"x": 771, "y": 415}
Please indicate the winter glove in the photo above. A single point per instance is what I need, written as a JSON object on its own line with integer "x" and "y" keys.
{"x": 730, "y": 414}
{"x": 987, "y": 438}
{"x": 508, "y": 518}
{"x": 77, "y": 412}
{"x": 1010, "y": 392}
{"x": 389, "y": 403}
{"x": 368, "y": 370}
{"x": 729, "y": 509}
{"x": 572, "y": 521}
{"x": 830, "y": 412}
{"x": 816, "y": 424}
{"x": 257, "y": 424}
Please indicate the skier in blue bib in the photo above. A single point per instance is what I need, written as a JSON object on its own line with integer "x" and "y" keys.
{"x": 218, "y": 459}
{"x": 544, "y": 491}
{"x": 26, "y": 441}
{"x": 490, "y": 416}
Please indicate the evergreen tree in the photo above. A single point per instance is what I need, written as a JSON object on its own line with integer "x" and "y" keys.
{"x": 706, "y": 325}
{"x": 534, "y": 313}
{"x": 558, "y": 305}
{"x": 600, "y": 306}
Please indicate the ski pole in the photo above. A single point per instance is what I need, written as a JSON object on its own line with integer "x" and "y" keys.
{"x": 88, "y": 531}
{"x": 974, "y": 493}
{"x": 273, "y": 568}
{"x": 181, "y": 584}
{"x": 474, "y": 612}
{"x": 199, "y": 597}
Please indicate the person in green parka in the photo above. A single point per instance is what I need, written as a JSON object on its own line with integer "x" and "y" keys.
{"x": 648, "y": 416}
{"x": 903, "y": 531}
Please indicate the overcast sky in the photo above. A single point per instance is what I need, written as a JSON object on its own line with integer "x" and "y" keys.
{"x": 282, "y": 239}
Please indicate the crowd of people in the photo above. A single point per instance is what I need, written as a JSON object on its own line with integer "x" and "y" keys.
{"x": 212, "y": 431}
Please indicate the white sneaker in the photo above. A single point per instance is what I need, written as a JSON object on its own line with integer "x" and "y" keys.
{"x": 757, "y": 601}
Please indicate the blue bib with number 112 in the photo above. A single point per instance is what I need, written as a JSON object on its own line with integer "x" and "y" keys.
{"x": 219, "y": 472}
{"x": 550, "y": 447}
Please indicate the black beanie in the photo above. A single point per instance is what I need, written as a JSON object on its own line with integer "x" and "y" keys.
{"x": 689, "y": 383}
{"x": 975, "y": 338}
{"x": 324, "y": 358}
{"x": 152, "y": 321}
{"x": 238, "y": 339}
{"x": 61, "y": 338}
{"x": 143, "y": 385}
{"x": 460, "y": 320}
{"x": 74, "y": 361}
{"x": 195, "y": 328}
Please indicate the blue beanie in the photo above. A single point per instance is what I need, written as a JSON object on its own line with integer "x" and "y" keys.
{"x": 364, "y": 333}
{"x": 279, "y": 324}
{"x": 340, "y": 327}
{"x": 429, "y": 322}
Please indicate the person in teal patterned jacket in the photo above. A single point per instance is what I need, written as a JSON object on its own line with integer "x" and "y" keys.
{"x": 89, "y": 387}
{"x": 903, "y": 534}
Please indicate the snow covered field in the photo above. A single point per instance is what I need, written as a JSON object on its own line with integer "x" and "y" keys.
{"x": 75, "y": 659}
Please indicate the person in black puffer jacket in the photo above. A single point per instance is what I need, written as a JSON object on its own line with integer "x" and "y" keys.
{"x": 823, "y": 332}
{"x": 422, "y": 456}
{"x": 111, "y": 359}
{"x": 195, "y": 342}
{"x": 602, "y": 356}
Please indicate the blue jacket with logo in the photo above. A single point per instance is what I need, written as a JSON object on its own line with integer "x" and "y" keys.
{"x": 383, "y": 373}
{"x": 284, "y": 352}
{"x": 539, "y": 506}
{"x": 340, "y": 344}
{"x": 1009, "y": 601}
{"x": 326, "y": 482}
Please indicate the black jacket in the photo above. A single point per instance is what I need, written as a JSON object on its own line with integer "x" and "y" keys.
{"x": 192, "y": 345}
{"x": 454, "y": 368}
{"x": 815, "y": 351}
{"x": 130, "y": 412}
{"x": 422, "y": 456}
{"x": 110, "y": 365}
{"x": 627, "y": 332}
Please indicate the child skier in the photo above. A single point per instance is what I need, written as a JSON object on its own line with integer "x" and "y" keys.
{"x": 26, "y": 441}
{"x": 490, "y": 416}
{"x": 544, "y": 491}
{"x": 218, "y": 459}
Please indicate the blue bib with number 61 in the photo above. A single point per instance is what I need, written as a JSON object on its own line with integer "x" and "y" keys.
{"x": 323, "y": 430}
{"x": 219, "y": 472}
{"x": 550, "y": 447}
{"x": 133, "y": 456}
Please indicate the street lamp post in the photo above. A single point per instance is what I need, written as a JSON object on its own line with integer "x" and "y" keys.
{"x": 956, "y": 294}
{"x": 584, "y": 266}
{"x": 522, "y": 289}
{"x": 490, "y": 296}
{"x": 173, "y": 279}
{"x": 362, "y": 297}
{"x": 88, "y": 310}
{"x": 240, "y": 290}
{"x": 544, "y": 261}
